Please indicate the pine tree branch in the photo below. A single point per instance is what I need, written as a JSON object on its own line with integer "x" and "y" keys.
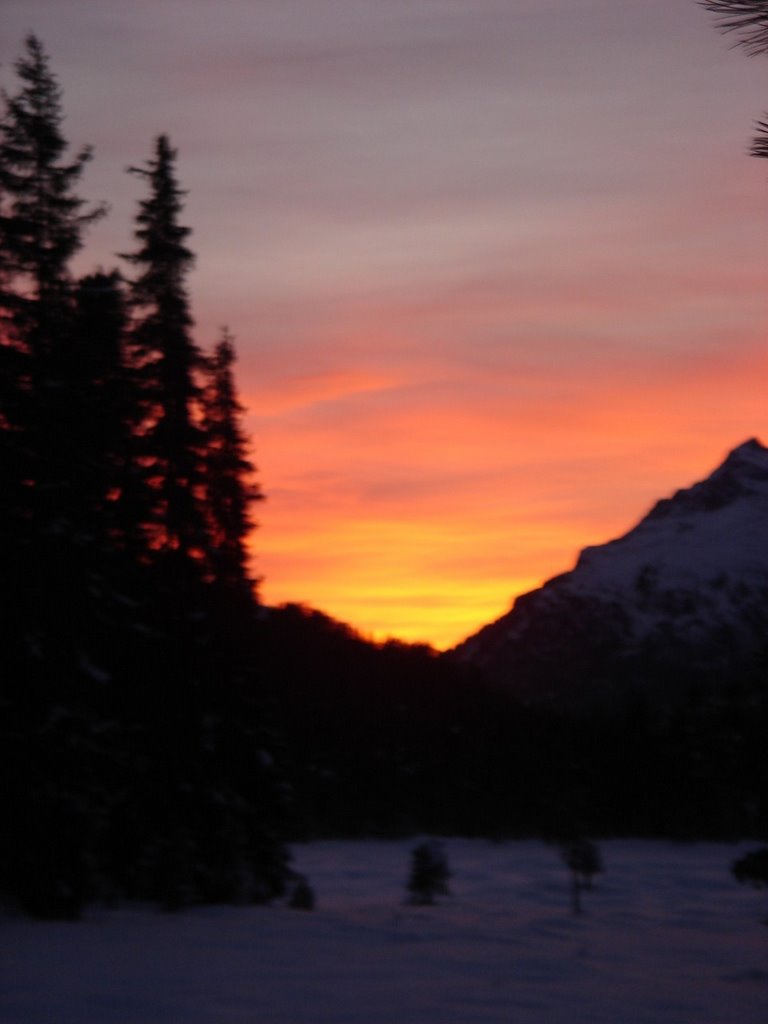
{"x": 759, "y": 145}
{"x": 747, "y": 18}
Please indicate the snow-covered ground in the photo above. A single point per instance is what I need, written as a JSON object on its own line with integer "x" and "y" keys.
{"x": 667, "y": 936}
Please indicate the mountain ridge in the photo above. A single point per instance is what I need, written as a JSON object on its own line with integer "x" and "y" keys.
{"x": 683, "y": 593}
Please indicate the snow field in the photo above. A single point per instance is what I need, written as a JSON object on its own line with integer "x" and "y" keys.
{"x": 667, "y": 937}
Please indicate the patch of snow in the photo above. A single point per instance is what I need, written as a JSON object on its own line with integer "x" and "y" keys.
{"x": 667, "y": 937}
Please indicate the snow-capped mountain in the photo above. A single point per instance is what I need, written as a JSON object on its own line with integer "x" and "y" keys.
{"x": 681, "y": 598}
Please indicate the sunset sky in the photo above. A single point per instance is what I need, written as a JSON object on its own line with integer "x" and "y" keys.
{"x": 496, "y": 268}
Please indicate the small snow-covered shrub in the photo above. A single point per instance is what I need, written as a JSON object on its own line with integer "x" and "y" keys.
{"x": 303, "y": 896}
{"x": 583, "y": 858}
{"x": 429, "y": 873}
{"x": 752, "y": 869}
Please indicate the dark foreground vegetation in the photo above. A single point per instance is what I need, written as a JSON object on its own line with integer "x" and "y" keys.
{"x": 133, "y": 744}
{"x": 393, "y": 740}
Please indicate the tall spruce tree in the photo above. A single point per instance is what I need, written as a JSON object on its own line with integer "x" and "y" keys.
{"x": 99, "y": 376}
{"x": 205, "y": 820}
{"x": 109, "y": 476}
{"x": 41, "y": 216}
{"x": 42, "y": 220}
{"x": 169, "y": 361}
{"x": 49, "y": 552}
{"x": 229, "y": 473}
{"x": 45, "y": 531}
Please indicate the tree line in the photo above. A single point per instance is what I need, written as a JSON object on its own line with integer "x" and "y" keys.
{"x": 129, "y": 736}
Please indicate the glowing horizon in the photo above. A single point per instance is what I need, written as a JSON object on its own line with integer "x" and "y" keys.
{"x": 496, "y": 271}
{"x": 451, "y": 545}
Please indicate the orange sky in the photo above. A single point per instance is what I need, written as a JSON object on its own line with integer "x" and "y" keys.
{"x": 496, "y": 269}
{"x": 424, "y": 525}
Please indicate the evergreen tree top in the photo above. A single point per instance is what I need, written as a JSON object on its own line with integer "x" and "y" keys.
{"x": 162, "y": 238}
{"x": 31, "y": 126}
{"x": 38, "y": 105}
{"x": 41, "y": 218}
{"x": 225, "y": 402}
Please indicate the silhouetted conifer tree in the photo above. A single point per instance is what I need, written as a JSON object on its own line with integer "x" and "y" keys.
{"x": 131, "y": 752}
{"x": 303, "y": 896}
{"x": 229, "y": 482}
{"x": 42, "y": 220}
{"x": 752, "y": 869}
{"x": 41, "y": 217}
{"x": 582, "y": 857}
{"x": 169, "y": 360}
{"x": 210, "y": 821}
{"x": 429, "y": 873}
{"x": 52, "y": 575}
{"x": 112, "y": 480}
{"x": 41, "y": 226}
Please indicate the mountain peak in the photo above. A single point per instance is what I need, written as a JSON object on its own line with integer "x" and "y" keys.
{"x": 744, "y": 470}
{"x": 751, "y": 456}
{"x": 687, "y": 586}
{"x": 749, "y": 447}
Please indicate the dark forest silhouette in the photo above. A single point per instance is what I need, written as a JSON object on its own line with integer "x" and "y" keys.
{"x": 131, "y": 741}
{"x": 162, "y": 734}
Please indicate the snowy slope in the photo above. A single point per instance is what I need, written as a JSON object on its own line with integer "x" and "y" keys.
{"x": 688, "y": 585}
{"x": 715, "y": 529}
{"x": 667, "y": 937}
